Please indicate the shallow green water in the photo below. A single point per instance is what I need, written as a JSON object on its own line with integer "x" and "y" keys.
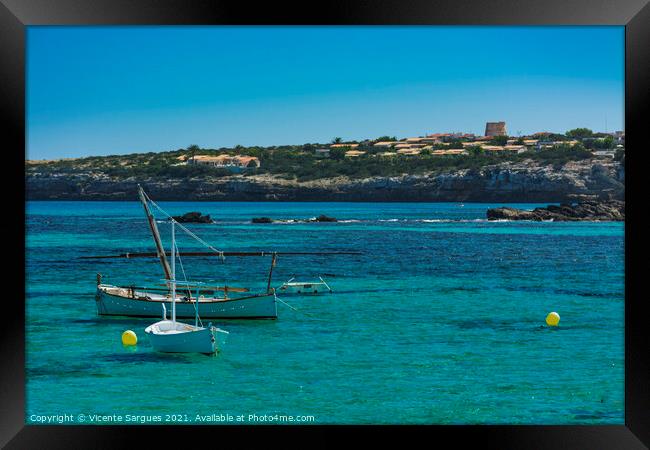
{"x": 441, "y": 320}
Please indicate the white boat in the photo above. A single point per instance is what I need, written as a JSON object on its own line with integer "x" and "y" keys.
{"x": 305, "y": 287}
{"x": 171, "y": 336}
{"x": 167, "y": 336}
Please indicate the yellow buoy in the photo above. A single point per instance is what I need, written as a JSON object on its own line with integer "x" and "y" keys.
{"x": 553, "y": 319}
{"x": 129, "y": 338}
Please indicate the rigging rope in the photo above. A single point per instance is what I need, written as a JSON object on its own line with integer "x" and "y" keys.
{"x": 181, "y": 262}
{"x": 220, "y": 252}
{"x": 189, "y": 291}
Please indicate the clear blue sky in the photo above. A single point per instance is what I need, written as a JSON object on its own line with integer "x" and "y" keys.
{"x": 112, "y": 90}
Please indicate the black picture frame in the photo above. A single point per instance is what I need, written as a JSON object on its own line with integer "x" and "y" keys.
{"x": 15, "y": 15}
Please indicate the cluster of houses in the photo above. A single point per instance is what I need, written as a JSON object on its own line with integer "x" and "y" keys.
{"x": 432, "y": 144}
{"x": 438, "y": 144}
{"x": 234, "y": 163}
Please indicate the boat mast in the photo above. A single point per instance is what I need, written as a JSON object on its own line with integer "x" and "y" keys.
{"x": 173, "y": 279}
{"x": 196, "y": 309}
{"x": 156, "y": 237}
{"x": 268, "y": 284}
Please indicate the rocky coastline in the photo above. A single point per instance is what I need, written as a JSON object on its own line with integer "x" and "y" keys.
{"x": 611, "y": 210}
{"x": 507, "y": 182}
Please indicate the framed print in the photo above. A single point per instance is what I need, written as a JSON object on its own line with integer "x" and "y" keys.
{"x": 368, "y": 218}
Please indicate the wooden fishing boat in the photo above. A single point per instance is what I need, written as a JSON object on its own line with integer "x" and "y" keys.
{"x": 146, "y": 302}
{"x": 217, "y": 302}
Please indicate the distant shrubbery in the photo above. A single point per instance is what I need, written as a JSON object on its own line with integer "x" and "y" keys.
{"x": 368, "y": 166}
{"x": 499, "y": 140}
{"x": 579, "y": 133}
{"x": 167, "y": 171}
{"x": 562, "y": 154}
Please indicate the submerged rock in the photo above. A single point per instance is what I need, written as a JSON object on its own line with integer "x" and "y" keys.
{"x": 193, "y": 217}
{"x": 610, "y": 210}
{"x": 262, "y": 220}
{"x": 323, "y": 218}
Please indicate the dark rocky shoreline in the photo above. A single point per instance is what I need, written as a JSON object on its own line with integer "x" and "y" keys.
{"x": 610, "y": 210}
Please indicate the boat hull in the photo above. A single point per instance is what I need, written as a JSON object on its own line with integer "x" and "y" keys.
{"x": 258, "y": 307}
{"x": 188, "y": 340}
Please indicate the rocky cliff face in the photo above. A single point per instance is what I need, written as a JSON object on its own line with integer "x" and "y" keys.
{"x": 508, "y": 182}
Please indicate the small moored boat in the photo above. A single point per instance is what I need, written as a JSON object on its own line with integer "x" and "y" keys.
{"x": 171, "y": 336}
{"x": 304, "y": 287}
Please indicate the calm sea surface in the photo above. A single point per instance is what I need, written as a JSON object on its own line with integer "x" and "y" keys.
{"x": 440, "y": 320}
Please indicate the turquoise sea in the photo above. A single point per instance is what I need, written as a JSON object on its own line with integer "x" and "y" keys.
{"x": 439, "y": 321}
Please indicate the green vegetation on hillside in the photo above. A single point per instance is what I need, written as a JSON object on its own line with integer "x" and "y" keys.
{"x": 300, "y": 161}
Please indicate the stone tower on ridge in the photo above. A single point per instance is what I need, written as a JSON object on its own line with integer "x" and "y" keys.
{"x": 495, "y": 129}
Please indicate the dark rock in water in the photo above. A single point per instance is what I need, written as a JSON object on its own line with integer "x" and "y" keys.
{"x": 262, "y": 220}
{"x": 610, "y": 210}
{"x": 193, "y": 217}
{"x": 323, "y": 218}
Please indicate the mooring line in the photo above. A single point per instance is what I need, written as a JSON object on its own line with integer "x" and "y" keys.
{"x": 295, "y": 309}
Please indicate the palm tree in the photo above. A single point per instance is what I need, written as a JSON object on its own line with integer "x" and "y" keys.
{"x": 337, "y": 140}
{"x": 191, "y": 151}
